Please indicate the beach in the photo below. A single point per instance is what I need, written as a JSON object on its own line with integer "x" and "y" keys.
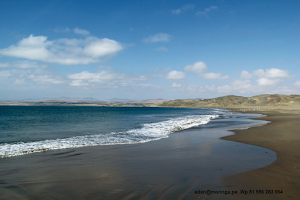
{"x": 170, "y": 168}
{"x": 282, "y": 136}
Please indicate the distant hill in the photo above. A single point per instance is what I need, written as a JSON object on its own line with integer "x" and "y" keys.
{"x": 237, "y": 101}
{"x": 219, "y": 102}
{"x": 128, "y": 101}
{"x": 63, "y": 101}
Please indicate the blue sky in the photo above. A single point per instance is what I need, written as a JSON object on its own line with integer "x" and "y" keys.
{"x": 148, "y": 49}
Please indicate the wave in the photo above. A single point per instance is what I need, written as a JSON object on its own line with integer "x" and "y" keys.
{"x": 148, "y": 132}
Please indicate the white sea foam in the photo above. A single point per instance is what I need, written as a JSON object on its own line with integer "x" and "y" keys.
{"x": 148, "y": 132}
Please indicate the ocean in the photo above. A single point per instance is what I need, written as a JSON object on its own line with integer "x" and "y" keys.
{"x": 31, "y": 129}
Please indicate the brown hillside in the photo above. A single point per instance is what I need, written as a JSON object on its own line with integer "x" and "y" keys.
{"x": 237, "y": 101}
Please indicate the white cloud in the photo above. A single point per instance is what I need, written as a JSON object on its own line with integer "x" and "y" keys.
{"x": 270, "y": 77}
{"x": 267, "y": 81}
{"x": 175, "y": 75}
{"x": 96, "y": 77}
{"x": 101, "y": 47}
{"x": 214, "y": 76}
{"x": 243, "y": 86}
{"x": 160, "y": 37}
{"x": 259, "y": 73}
{"x": 206, "y": 10}
{"x": 276, "y": 73}
{"x": 176, "y": 85}
{"x": 18, "y": 81}
{"x": 297, "y": 84}
{"x": 210, "y": 88}
{"x": 225, "y": 88}
{"x": 23, "y": 64}
{"x": 44, "y": 79}
{"x": 103, "y": 79}
{"x": 63, "y": 51}
{"x": 183, "y": 9}
{"x": 78, "y": 83}
{"x": 246, "y": 75}
{"x": 28, "y": 75}
{"x": 162, "y": 48}
{"x": 81, "y": 31}
{"x": 85, "y": 79}
{"x": 271, "y": 73}
{"x": 197, "y": 67}
{"x": 224, "y": 77}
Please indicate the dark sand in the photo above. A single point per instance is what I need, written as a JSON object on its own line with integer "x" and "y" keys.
{"x": 171, "y": 168}
{"x": 282, "y": 136}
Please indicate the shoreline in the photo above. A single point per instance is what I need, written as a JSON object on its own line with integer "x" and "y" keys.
{"x": 170, "y": 168}
{"x": 282, "y": 136}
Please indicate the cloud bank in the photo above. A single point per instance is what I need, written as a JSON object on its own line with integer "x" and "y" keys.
{"x": 63, "y": 51}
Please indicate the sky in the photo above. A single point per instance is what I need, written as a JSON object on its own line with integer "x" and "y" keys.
{"x": 148, "y": 49}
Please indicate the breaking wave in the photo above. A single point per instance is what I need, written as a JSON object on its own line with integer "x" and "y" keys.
{"x": 148, "y": 132}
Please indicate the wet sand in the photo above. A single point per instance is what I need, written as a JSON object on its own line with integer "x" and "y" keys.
{"x": 282, "y": 136}
{"x": 171, "y": 168}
